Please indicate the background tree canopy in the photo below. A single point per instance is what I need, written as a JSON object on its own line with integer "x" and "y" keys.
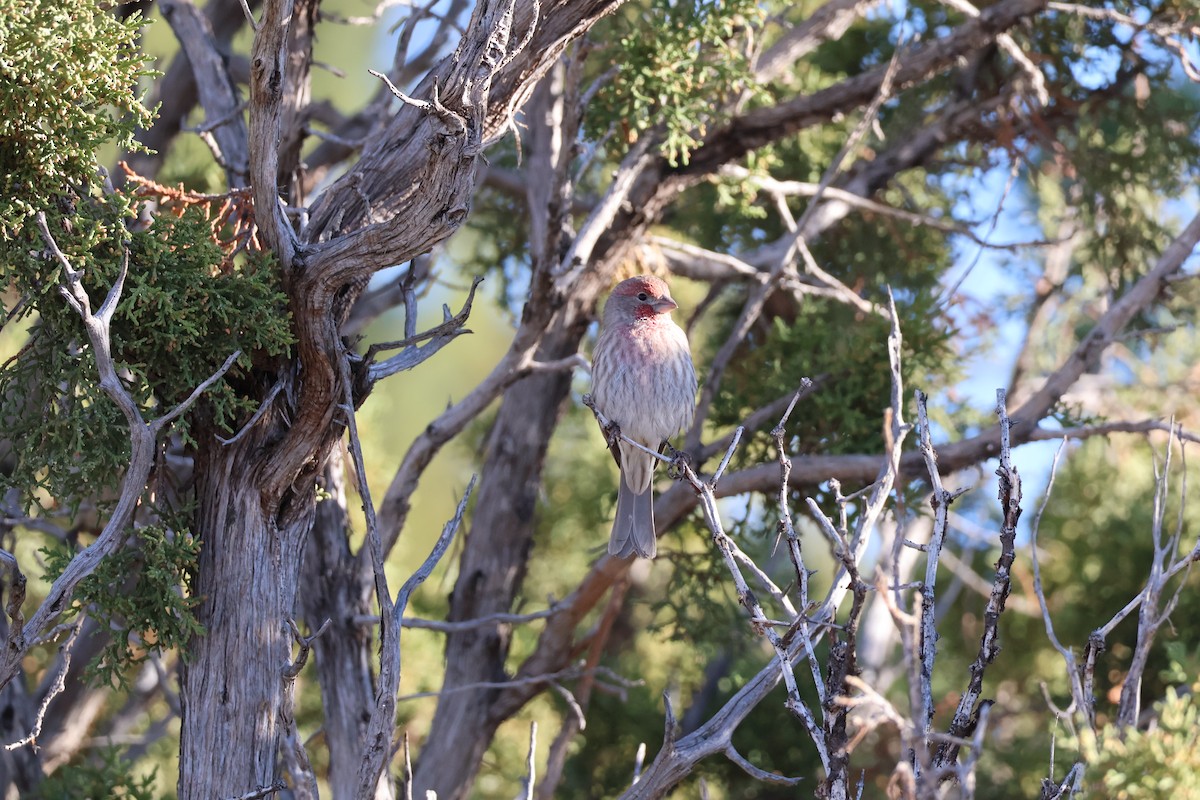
{"x": 288, "y": 284}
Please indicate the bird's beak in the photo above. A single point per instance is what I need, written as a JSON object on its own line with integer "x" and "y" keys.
{"x": 665, "y": 305}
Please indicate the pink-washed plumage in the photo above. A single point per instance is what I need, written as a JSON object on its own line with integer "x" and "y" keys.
{"x": 642, "y": 380}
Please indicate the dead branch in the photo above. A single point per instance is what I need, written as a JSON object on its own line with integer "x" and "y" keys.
{"x": 378, "y": 739}
{"x": 436, "y": 338}
{"x": 970, "y": 709}
{"x": 217, "y": 93}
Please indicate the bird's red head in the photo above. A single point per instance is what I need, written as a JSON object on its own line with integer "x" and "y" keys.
{"x": 645, "y": 295}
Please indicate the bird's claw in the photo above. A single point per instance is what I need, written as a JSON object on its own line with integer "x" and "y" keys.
{"x": 612, "y": 435}
{"x": 680, "y": 460}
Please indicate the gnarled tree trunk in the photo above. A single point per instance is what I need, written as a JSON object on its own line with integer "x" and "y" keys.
{"x": 232, "y": 686}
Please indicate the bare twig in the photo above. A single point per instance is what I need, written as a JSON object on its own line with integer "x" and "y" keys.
{"x": 759, "y": 774}
{"x": 849, "y": 549}
{"x": 382, "y": 722}
{"x": 160, "y": 423}
{"x": 383, "y": 718}
{"x": 757, "y": 418}
{"x": 227, "y": 137}
{"x": 259, "y": 413}
{"x": 737, "y": 435}
{"x": 670, "y": 725}
{"x": 838, "y": 290}
{"x": 1153, "y": 612}
{"x": 896, "y": 431}
{"x": 305, "y": 642}
{"x": 612, "y": 432}
{"x": 712, "y": 737}
{"x": 1009, "y": 45}
{"x": 55, "y": 689}
{"x": 249, "y": 16}
{"x": 408, "y": 773}
{"x": 447, "y": 626}
{"x": 638, "y": 760}
{"x": 1080, "y": 696}
{"x": 758, "y": 619}
{"x": 808, "y": 189}
{"x": 725, "y": 546}
{"x": 437, "y": 338}
{"x": 787, "y": 530}
{"x": 1173, "y": 36}
{"x": 514, "y": 365}
{"x": 547, "y": 679}
{"x": 940, "y": 500}
{"x": 424, "y": 105}
{"x": 969, "y": 713}
{"x": 261, "y": 792}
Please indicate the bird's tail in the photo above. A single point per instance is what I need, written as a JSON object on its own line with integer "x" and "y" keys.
{"x": 633, "y": 529}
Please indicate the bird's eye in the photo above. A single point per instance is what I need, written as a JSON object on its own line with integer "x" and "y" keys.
{"x": 643, "y": 297}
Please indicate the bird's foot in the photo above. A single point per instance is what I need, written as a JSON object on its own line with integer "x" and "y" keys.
{"x": 680, "y": 460}
{"x": 612, "y": 434}
{"x": 610, "y": 429}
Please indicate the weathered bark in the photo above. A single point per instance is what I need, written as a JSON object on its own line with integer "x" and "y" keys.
{"x": 232, "y": 681}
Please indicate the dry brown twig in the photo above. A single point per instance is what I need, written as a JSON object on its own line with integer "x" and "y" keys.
{"x": 230, "y": 214}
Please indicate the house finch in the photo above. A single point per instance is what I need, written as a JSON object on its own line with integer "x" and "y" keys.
{"x": 642, "y": 380}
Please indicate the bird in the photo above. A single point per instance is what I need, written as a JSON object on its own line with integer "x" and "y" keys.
{"x": 644, "y": 381}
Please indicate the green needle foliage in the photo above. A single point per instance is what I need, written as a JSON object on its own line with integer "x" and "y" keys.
{"x": 68, "y": 77}
{"x": 109, "y": 776}
{"x": 674, "y": 59}
{"x": 180, "y": 316}
{"x": 1163, "y": 761}
{"x": 143, "y": 590}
